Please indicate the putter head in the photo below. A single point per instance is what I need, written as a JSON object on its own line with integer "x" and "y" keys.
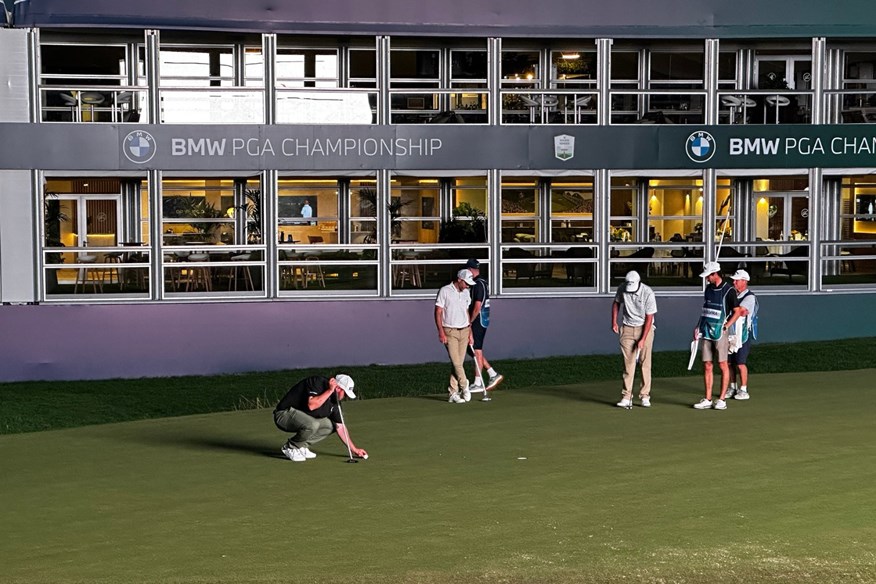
{"x": 353, "y": 460}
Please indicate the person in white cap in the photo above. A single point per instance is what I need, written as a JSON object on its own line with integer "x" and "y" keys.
{"x": 720, "y": 311}
{"x": 745, "y": 330}
{"x": 310, "y": 411}
{"x": 454, "y": 331}
{"x": 479, "y": 315}
{"x": 636, "y": 334}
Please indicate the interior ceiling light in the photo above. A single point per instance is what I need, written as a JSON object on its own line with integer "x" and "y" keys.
{"x": 571, "y": 56}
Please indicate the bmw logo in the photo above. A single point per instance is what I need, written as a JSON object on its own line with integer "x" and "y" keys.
{"x": 700, "y": 146}
{"x": 139, "y": 147}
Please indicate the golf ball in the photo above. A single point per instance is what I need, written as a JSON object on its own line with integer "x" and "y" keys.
{"x": 365, "y": 456}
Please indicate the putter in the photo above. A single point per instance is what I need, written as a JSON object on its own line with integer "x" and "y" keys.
{"x": 478, "y": 370}
{"x": 349, "y": 451}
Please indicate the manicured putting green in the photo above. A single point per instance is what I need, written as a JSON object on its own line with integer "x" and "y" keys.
{"x": 552, "y": 484}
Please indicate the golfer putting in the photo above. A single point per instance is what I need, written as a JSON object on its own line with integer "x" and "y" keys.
{"x": 311, "y": 411}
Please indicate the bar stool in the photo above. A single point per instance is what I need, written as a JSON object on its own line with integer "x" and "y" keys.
{"x": 200, "y": 275}
{"x": 247, "y": 273}
{"x": 776, "y": 101}
{"x": 107, "y": 273}
{"x": 313, "y": 274}
{"x": 71, "y": 100}
{"x": 88, "y": 275}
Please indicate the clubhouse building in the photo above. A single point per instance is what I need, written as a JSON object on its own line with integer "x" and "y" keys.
{"x": 199, "y": 188}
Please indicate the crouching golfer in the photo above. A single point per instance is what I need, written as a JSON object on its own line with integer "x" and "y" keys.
{"x": 310, "y": 410}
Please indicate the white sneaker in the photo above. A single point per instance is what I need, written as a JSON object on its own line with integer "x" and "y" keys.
{"x": 720, "y": 405}
{"x": 466, "y": 394}
{"x": 293, "y": 454}
{"x": 494, "y": 381}
{"x": 477, "y": 386}
{"x": 307, "y": 453}
{"x": 625, "y": 403}
{"x": 455, "y": 398}
{"x": 730, "y": 393}
{"x": 646, "y": 402}
{"x": 741, "y": 395}
{"x": 703, "y": 404}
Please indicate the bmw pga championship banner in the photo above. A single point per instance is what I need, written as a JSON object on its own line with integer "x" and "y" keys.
{"x": 430, "y": 147}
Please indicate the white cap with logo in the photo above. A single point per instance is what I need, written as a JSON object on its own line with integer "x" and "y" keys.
{"x": 710, "y": 268}
{"x": 346, "y": 383}
{"x": 466, "y": 276}
{"x": 741, "y": 275}
{"x": 633, "y": 280}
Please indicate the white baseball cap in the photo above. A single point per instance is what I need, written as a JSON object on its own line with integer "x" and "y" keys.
{"x": 346, "y": 383}
{"x": 741, "y": 275}
{"x": 633, "y": 279}
{"x": 710, "y": 268}
{"x": 466, "y": 276}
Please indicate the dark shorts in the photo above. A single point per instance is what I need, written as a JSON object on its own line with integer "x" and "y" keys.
{"x": 478, "y": 332}
{"x": 741, "y": 356}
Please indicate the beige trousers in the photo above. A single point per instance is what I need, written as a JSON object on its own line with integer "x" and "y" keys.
{"x": 629, "y": 337}
{"x": 457, "y": 343}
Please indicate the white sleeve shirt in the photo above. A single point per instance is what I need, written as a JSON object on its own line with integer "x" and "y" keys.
{"x": 455, "y": 305}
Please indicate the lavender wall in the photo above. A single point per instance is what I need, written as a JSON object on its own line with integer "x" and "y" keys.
{"x": 154, "y": 340}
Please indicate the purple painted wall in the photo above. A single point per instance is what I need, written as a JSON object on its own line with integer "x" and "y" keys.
{"x": 157, "y": 340}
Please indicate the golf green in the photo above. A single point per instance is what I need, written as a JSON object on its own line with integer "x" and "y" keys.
{"x": 547, "y": 485}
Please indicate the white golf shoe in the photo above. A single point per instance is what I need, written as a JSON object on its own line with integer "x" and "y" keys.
{"x": 741, "y": 395}
{"x": 720, "y": 405}
{"x": 731, "y": 391}
{"x": 625, "y": 403}
{"x": 703, "y": 404}
{"x": 494, "y": 381}
{"x": 646, "y": 402}
{"x": 308, "y": 454}
{"x": 294, "y": 454}
{"x": 455, "y": 398}
{"x": 466, "y": 395}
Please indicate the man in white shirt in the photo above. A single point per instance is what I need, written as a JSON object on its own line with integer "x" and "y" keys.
{"x": 454, "y": 331}
{"x": 636, "y": 334}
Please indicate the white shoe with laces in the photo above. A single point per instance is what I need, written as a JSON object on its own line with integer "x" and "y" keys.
{"x": 494, "y": 381}
{"x": 294, "y": 454}
{"x": 307, "y": 453}
{"x": 741, "y": 395}
{"x": 455, "y": 398}
{"x": 720, "y": 405}
{"x": 625, "y": 403}
{"x": 703, "y": 404}
{"x": 466, "y": 395}
{"x": 646, "y": 402}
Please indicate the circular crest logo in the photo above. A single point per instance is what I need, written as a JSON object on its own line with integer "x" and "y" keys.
{"x": 139, "y": 147}
{"x": 700, "y": 146}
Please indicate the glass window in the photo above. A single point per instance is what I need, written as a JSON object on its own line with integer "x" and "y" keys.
{"x": 855, "y": 261}
{"x": 363, "y": 68}
{"x": 75, "y": 82}
{"x": 521, "y": 69}
{"x": 624, "y": 76}
{"x": 307, "y": 211}
{"x": 675, "y": 206}
{"x": 307, "y": 68}
{"x": 192, "y": 66}
{"x": 571, "y": 210}
{"x": 87, "y": 250}
{"x": 520, "y": 210}
{"x": 622, "y": 209}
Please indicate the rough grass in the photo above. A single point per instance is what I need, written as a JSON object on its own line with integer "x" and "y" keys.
{"x": 36, "y": 406}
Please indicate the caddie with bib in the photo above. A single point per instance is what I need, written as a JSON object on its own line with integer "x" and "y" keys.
{"x": 720, "y": 311}
{"x": 743, "y": 332}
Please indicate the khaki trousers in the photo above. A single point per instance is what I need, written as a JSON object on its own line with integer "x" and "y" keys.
{"x": 629, "y": 337}
{"x": 457, "y": 344}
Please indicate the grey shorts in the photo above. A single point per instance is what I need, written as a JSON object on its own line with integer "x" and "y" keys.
{"x": 721, "y": 346}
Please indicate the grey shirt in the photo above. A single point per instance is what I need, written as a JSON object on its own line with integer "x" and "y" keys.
{"x": 636, "y": 305}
